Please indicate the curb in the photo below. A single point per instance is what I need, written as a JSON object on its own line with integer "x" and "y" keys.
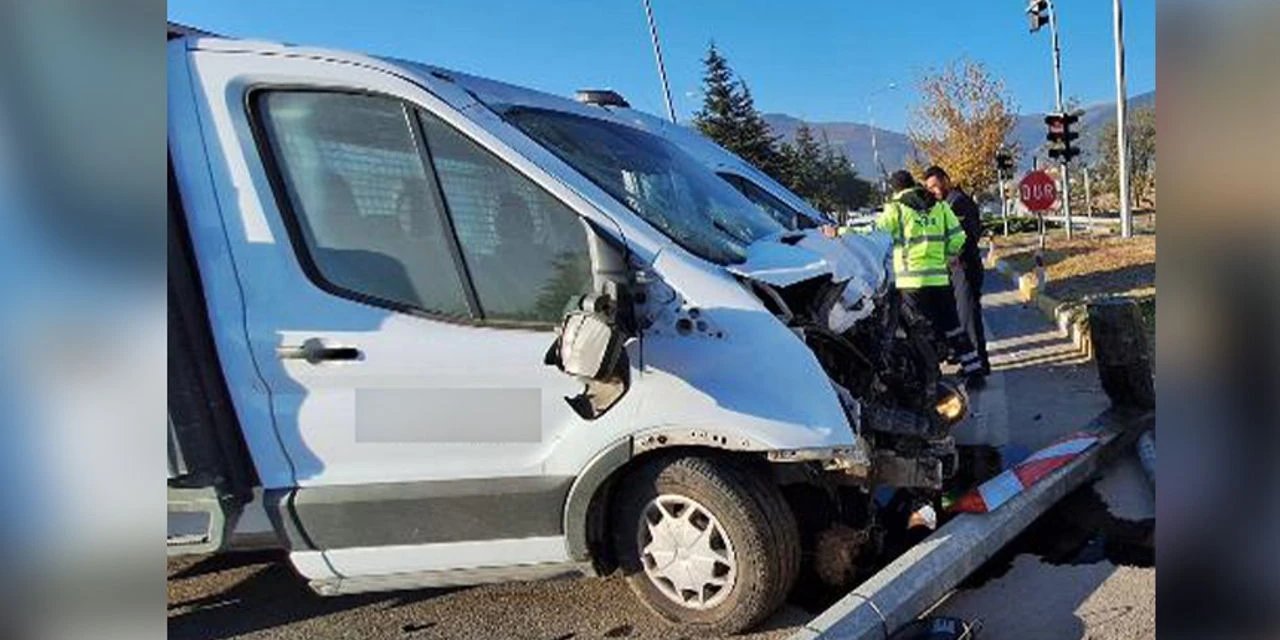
{"x": 1070, "y": 318}
{"x": 927, "y": 572}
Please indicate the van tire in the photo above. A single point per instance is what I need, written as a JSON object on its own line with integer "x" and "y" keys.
{"x": 754, "y": 516}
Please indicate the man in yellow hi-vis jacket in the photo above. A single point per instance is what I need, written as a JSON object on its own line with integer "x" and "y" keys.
{"x": 927, "y": 238}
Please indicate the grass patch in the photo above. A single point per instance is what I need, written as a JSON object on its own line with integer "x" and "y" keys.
{"x": 1086, "y": 267}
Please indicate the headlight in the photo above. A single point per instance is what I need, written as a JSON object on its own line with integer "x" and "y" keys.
{"x": 952, "y": 405}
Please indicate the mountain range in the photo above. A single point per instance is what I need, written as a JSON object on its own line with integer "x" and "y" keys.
{"x": 895, "y": 147}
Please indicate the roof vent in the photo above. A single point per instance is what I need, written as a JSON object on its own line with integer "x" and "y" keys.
{"x": 601, "y": 97}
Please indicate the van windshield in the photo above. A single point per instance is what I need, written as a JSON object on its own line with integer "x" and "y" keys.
{"x": 654, "y": 178}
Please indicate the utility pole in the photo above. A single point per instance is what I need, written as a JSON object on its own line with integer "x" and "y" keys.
{"x": 1122, "y": 126}
{"x": 1036, "y": 10}
{"x": 657, "y": 54}
{"x": 1057, "y": 85}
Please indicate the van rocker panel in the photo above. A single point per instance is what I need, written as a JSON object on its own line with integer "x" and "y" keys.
{"x": 411, "y": 513}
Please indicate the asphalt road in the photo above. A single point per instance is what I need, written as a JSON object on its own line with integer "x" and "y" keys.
{"x": 1039, "y": 391}
{"x": 258, "y": 596}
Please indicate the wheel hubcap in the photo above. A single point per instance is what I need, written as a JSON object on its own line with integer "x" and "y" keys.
{"x": 686, "y": 552}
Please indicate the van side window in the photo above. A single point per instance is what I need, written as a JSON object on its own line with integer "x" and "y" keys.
{"x": 525, "y": 250}
{"x": 368, "y": 209}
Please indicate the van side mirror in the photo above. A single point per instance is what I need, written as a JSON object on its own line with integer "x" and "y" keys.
{"x": 590, "y": 343}
{"x": 590, "y": 346}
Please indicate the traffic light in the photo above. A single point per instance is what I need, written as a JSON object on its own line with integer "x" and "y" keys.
{"x": 1038, "y": 14}
{"x": 1004, "y": 164}
{"x": 1060, "y": 135}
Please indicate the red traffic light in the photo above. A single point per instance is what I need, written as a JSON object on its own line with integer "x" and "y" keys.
{"x": 1058, "y": 121}
{"x": 1060, "y": 126}
{"x": 1060, "y": 135}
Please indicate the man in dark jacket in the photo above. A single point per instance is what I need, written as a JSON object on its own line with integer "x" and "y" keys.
{"x": 968, "y": 288}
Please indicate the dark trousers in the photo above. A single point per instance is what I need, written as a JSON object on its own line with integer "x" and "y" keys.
{"x": 967, "y": 282}
{"x": 938, "y": 305}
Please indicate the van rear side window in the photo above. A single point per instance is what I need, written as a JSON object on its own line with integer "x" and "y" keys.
{"x": 368, "y": 209}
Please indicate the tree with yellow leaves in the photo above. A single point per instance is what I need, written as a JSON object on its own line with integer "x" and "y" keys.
{"x": 964, "y": 117}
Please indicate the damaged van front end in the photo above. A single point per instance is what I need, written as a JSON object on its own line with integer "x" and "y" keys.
{"x": 819, "y": 368}
{"x": 836, "y": 295}
{"x": 766, "y": 381}
{"x": 799, "y": 357}
{"x": 809, "y": 358}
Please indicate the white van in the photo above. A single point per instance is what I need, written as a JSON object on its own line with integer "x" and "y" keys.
{"x": 440, "y": 338}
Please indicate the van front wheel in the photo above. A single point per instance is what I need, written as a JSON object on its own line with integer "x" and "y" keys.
{"x": 706, "y": 542}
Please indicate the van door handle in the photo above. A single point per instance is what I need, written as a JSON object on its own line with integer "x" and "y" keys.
{"x": 314, "y": 351}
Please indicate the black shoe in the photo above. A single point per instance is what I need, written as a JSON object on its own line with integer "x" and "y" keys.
{"x": 975, "y": 381}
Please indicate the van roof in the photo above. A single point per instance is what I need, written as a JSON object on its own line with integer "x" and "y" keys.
{"x": 498, "y": 95}
{"x": 492, "y": 93}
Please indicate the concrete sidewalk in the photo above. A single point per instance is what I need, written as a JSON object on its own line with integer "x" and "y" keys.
{"x": 1040, "y": 382}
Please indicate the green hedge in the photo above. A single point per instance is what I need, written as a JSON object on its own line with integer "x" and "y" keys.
{"x": 994, "y": 225}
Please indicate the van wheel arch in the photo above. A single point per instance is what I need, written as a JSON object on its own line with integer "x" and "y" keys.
{"x": 589, "y": 502}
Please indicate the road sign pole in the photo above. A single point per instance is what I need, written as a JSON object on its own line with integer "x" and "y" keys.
{"x": 1037, "y": 192}
{"x": 1057, "y": 85}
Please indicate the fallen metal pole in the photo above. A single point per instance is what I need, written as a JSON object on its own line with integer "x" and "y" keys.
{"x": 919, "y": 578}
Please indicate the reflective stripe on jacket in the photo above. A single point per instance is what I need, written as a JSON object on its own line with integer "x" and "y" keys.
{"x": 924, "y": 240}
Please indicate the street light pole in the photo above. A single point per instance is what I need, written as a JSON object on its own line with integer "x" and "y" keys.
{"x": 657, "y": 54}
{"x": 1057, "y": 86}
{"x": 1122, "y": 128}
{"x": 875, "y": 148}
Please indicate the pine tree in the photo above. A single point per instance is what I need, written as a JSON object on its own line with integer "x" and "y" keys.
{"x": 814, "y": 170}
{"x": 729, "y": 117}
{"x": 821, "y": 173}
{"x": 756, "y": 143}
{"x": 845, "y": 190}
{"x": 804, "y": 167}
{"x": 716, "y": 118}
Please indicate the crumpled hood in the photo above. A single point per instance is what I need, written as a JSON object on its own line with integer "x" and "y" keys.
{"x": 796, "y": 256}
{"x": 856, "y": 263}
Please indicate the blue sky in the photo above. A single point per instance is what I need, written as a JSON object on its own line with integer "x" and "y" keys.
{"x": 814, "y": 59}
